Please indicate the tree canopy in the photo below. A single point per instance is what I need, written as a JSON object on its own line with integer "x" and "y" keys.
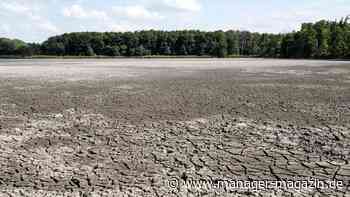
{"x": 323, "y": 39}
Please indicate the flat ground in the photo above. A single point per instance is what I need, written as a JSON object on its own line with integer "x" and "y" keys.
{"x": 132, "y": 127}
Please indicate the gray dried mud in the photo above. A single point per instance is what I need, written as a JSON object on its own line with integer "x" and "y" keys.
{"x": 127, "y": 127}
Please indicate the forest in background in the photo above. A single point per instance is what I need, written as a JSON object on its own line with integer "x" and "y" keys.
{"x": 323, "y": 39}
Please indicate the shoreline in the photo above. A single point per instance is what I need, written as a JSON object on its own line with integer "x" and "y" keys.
{"x": 164, "y": 57}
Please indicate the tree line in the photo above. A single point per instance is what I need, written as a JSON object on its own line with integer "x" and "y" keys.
{"x": 323, "y": 39}
{"x": 15, "y": 47}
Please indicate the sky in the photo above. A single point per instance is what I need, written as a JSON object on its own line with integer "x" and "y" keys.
{"x": 36, "y": 20}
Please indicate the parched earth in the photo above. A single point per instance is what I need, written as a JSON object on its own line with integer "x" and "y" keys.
{"x": 150, "y": 127}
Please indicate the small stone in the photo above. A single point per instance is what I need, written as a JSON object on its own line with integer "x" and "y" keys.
{"x": 75, "y": 182}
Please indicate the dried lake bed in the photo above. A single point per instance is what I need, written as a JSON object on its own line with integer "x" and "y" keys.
{"x": 127, "y": 127}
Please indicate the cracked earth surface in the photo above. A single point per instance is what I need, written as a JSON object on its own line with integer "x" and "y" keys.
{"x": 130, "y": 136}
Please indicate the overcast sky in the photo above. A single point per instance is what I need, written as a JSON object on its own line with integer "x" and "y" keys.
{"x": 36, "y": 20}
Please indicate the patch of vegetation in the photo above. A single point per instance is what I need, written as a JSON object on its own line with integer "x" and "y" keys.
{"x": 323, "y": 39}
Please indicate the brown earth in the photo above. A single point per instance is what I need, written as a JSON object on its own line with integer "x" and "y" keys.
{"x": 128, "y": 127}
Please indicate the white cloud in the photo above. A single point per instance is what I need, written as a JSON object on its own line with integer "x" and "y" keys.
{"x": 183, "y": 5}
{"x": 5, "y": 31}
{"x": 99, "y": 14}
{"x": 123, "y": 26}
{"x": 26, "y": 20}
{"x": 136, "y": 12}
{"x": 17, "y": 9}
{"x": 48, "y": 26}
{"x": 5, "y": 28}
{"x": 76, "y": 11}
{"x": 14, "y": 7}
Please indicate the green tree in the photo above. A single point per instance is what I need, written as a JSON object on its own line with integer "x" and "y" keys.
{"x": 165, "y": 49}
{"x": 111, "y": 51}
{"x": 140, "y": 51}
{"x": 7, "y": 46}
{"x": 338, "y": 43}
{"x": 24, "y": 51}
{"x": 233, "y": 43}
{"x": 221, "y": 46}
{"x": 90, "y": 51}
{"x": 323, "y": 39}
{"x": 97, "y": 44}
{"x": 322, "y": 36}
{"x": 309, "y": 40}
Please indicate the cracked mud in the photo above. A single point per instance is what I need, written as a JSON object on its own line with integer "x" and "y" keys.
{"x": 126, "y": 127}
